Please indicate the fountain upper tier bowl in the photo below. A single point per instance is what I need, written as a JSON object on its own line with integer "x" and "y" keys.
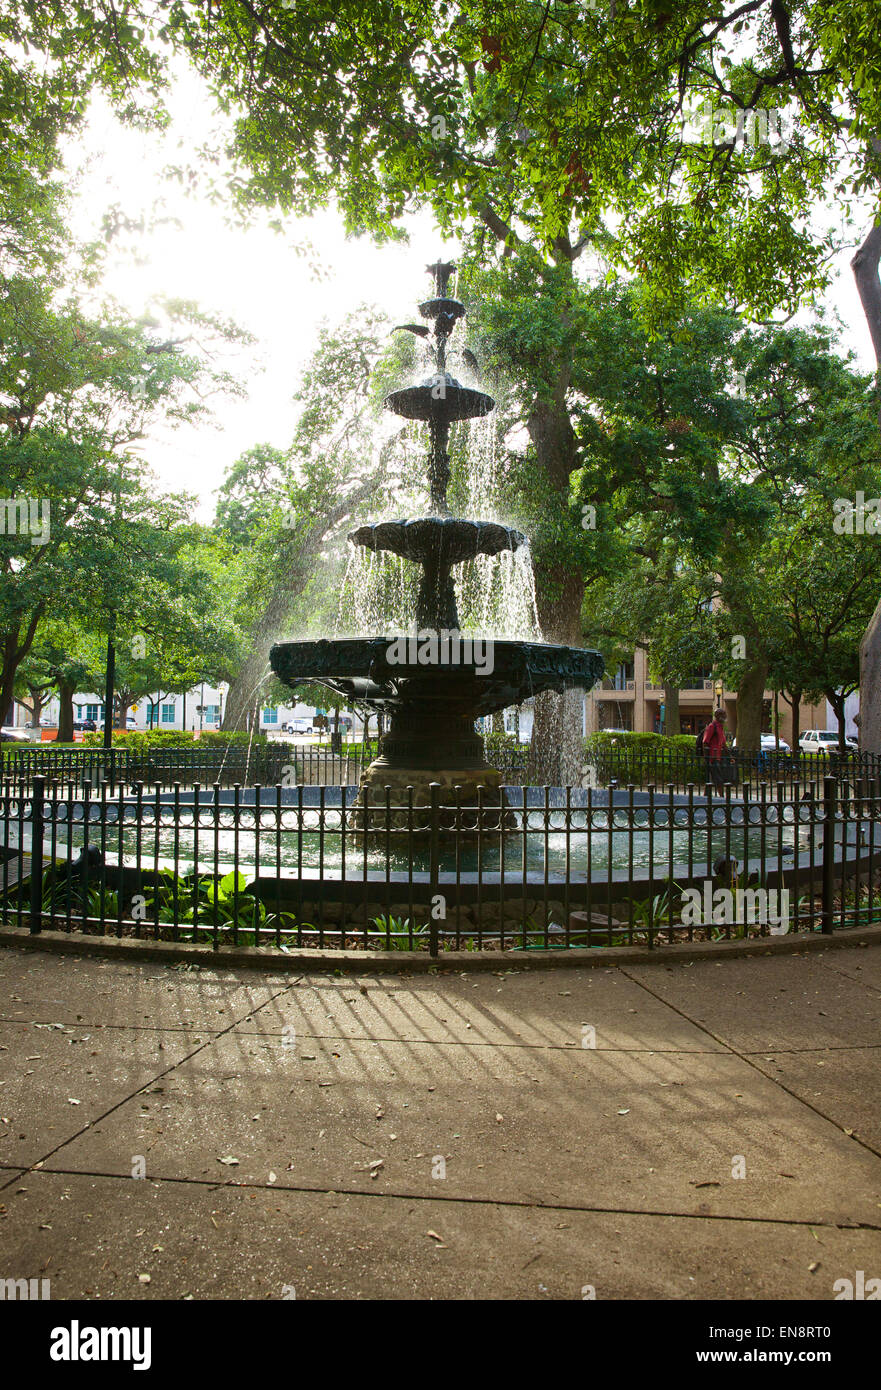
{"x": 377, "y": 673}
{"x": 446, "y": 540}
{"x": 440, "y": 398}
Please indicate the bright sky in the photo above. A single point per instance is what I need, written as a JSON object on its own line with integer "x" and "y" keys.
{"x": 252, "y": 275}
{"x": 255, "y": 277}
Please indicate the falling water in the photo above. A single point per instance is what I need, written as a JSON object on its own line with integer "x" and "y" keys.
{"x": 498, "y": 596}
{"x": 377, "y": 594}
{"x": 253, "y": 705}
{"x": 482, "y": 468}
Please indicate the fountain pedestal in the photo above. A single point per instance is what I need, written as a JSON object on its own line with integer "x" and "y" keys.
{"x": 424, "y": 746}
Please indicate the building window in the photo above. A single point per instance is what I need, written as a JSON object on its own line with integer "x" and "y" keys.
{"x": 270, "y": 715}
{"x": 168, "y": 714}
{"x": 211, "y": 714}
{"x": 95, "y": 712}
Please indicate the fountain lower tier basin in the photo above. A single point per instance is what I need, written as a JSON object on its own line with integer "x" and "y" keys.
{"x": 436, "y": 672}
{"x": 444, "y": 540}
{"x": 434, "y": 686}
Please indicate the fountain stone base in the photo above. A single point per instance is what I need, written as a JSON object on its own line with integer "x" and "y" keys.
{"x": 428, "y": 748}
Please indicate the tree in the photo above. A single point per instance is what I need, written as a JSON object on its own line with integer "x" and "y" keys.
{"x": 704, "y": 482}
{"x": 284, "y": 510}
{"x": 552, "y": 130}
{"x": 78, "y": 394}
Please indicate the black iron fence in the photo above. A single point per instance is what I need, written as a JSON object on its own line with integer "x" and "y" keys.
{"x": 549, "y": 868}
{"x": 261, "y": 764}
{"x": 682, "y": 767}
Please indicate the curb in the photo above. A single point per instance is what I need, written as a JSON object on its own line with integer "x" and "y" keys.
{"x": 399, "y": 962}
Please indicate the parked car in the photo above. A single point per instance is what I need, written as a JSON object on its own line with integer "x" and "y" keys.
{"x": 824, "y": 741}
{"x": 299, "y": 726}
{"x": 770, "y": 744}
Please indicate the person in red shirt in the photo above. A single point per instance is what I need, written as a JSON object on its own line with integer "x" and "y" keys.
{"x": 714, "y": 744}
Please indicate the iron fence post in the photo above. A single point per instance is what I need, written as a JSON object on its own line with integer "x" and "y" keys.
{"x": 434, "y": 869}
{"x": 829, "y": 809}
{"x": 38, "y": 796}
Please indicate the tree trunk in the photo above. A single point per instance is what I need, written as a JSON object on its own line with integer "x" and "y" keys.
{"x": 556, "y": 754}
{"x": 836, "y": 700}
{"x": 65, "y": 711}
{"x": 11, "y": 661}
{"x": 671, "y": 709}
{"x": 750, "y": 692}
{"x": 243, "y": 696}
{"x": 870, "y": 685}
{"x": 865, "y": 268}
{"x": 35, "y": 706}
{"x": 793, "y": 699}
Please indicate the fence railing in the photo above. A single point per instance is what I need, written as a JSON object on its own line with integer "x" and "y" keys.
{"x": 263, "y": 764}
{"x": 682, "y": 767}
{"x": 164, "y": 767}
{"x": 548, "y": 868}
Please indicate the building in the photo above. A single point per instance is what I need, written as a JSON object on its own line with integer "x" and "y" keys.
{"x": 623, "y": 699}
{"x": 628, "y": 699}
{"x": 199, "y": 709}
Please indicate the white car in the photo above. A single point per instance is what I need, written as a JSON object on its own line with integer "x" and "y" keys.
{"x": 824, "y": 741}
{"x": 770, "y": 744}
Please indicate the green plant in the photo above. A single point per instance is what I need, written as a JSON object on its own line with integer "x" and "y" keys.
{"x": 397, "y": 932}
{"x": 63, "y": 892}
{"x": 207, "y": 902}
{"x": 653, "y": 912}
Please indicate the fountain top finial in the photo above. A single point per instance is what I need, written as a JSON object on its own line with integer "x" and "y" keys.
{"x": 441, "y": 272}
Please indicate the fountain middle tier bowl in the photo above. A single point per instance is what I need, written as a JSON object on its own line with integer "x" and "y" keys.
{"x": 441, "y": 398}
{"x": 446, "y": 540}
{"x": 395, "y": 673}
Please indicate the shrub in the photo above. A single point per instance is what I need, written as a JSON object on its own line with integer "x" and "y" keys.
{"x": 496, "y": 742}
{"x": 654, "y": 744}
{"x": 142, "y": 740}
{"x": 230, "y": 738}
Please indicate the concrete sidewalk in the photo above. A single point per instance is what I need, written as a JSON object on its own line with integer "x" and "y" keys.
{"x": 446, "y": 1136}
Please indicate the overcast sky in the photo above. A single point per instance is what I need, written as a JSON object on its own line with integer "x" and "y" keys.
{"x": 255, "y": 276}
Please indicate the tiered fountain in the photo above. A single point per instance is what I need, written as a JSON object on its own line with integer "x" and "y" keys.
{"x": 433, "y": 707}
